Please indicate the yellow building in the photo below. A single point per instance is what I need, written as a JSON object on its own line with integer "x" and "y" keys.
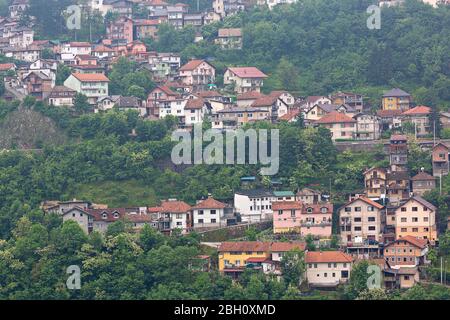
{"x": 416, "y": 218}
{"x": 233, "y": 256}
{"x": 396, "y": 99}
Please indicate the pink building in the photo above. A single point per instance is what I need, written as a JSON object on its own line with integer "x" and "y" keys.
{"x": 316, "y": 219}
{"x": 287, "y": 216}
{"x": 304, "y": 219}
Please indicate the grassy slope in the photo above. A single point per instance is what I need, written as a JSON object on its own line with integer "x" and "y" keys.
{"x": 117, "y": 193}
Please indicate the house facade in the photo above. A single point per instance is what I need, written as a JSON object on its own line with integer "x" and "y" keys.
{"x": 198, "y": 74}
{"x": 94, "y": 86}
{"x": 244, "y": 79}
{"x": 327, "y": 268}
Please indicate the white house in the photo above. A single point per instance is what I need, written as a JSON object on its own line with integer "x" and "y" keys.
{"x": 327, "y": 268}
{"x": 208, "y": 213}
{"x": 72, "y": 49}
{"x": 254, "y": 205}
{"x": 92, "y": 85}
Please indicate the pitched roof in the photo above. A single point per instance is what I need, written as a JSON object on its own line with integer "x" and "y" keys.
{"x": 230, "y": 32}
{"x": 80, "y": 44}
{"x": 290, "y": 115}
{"x": 419, "y": 110}
{"x": 317, "y": 208}
{"x": 423, "y": 202}
{"x": 250, "y": 95}
{"x": 287, "y": 246}
{"x": 209, "y": 203}
{"x": 286, "y": 205}
{"x": 399, "y": 137}
{"x": 109, "y": 214}
{"x": 6, "y": 66}
{"x": 264, "y": 101}
{"x": 396, "y": 92}
{"x": 388, "y": 113}
{"x": 167, "y": 90}
{"x": 368, "y": 201}
{"x": 255, "y": 193}
{"x": 90, "y": 77}
{"x": 423, "y": 176}
{"x": 174, "y": 206}
{"x": 327, "y": 257}
{"x": 193, "y": 104}
{"x": 247, "y": 72}
{"x": 335, "y": 117}
{"x": 421, "y": 243}
{"x": 244, "y": 246}
{"x": 208, "y": 94}
{"x": 191, "y": 65}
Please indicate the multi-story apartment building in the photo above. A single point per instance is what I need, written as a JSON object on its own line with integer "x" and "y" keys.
{"x": 422, "y": 182}
{"x": 353, "y": 100}
{"x": 396, "y": 99}
{"x": 209, "y": 213}
{"x": 229, "y": 38}
{"x": 340, "y": 125}
{"x": 419, "y": 117}
{"x": 254, "y": 205}
{"x": 360, "y": 222}
{"x": 244, "y": 79}
{"x": 368, "y": 126}
{"x": 416, "y": 218}
{"x": 121, "y": 29}
{"x": 398, "y": 152}
{"x": 375, "y": 183}
{"x": 407, "y": 251}
{"x": 94, "y": 86}
{"x": 440, "y": 159}
{"x": 287, "y": 216}
{"x": 198, "y": 74}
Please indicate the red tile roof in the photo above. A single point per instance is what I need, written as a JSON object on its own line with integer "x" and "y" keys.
{"x": 208, "y": 94}
{"x": 327, "y": 257}
{"x": 91, "y": 77}
{"x": 388, "y": 113}
{"x": 230, "y": 32}
{"x": 423, "y": 176}
{"x": 366, "y": 200}
{"x": 286, "y": 205}
{"x": 193, "y": 104}
{"x": 290, "y": 115}
{"x": 80, "y": 44}
{"x": 209, "y": 203}
{"x": 6, "y": 66}
{"x": 191, "y": 65}
{"x": 420, "y": 243}
{"x": 287, "y": 246}
{"x": 250, "y": 95}
{"x": 256, "y": 259}
{"x": 335, "y": 117}
{"x": 247, "y": 72}
{"x": 419, "y": 110}
{"x": 175, "y": 206}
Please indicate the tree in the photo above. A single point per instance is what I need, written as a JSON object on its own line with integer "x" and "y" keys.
{"x": 310, "y": 246}
{"x": 62, "y": 73}
{"x": 373, "y": 294}
{"x": 137, "y": 91}
{"x": 81, "y": 104}
{"x": 293, "y": 267}
{"x": 251, "y": 234}
{"x": 358, "y": 280}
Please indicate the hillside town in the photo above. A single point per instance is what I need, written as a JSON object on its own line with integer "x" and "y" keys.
{"x": 389, "y": 223}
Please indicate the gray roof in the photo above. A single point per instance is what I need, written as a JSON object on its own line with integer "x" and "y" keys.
{"x": 127, "y": 102}
{"x": 396, "y": 92}
{"x": 255, "y": 193}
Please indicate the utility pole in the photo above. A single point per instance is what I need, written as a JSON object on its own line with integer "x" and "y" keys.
{"x": 441, "y": 272}
{"x": 434, "y": 133}
{"x": 440, "y": 183}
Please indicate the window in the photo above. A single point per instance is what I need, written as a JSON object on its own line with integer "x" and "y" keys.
{"x": 200, "y": 220}
{"x": 348, "y": 209}
{"x": 372, "y": 228}
{"x": 324, "y": 210}
{"x": 358, "y": 219}
{"x": 357, "y": 209}
{"x": 403, "y": 209}
{"x": 403, "y": 219}
{"x": 200, "y": 212}
{"x": 213, "y": 211}
{"x": 357, "y": 228}
{"x": 415, "y": 219}
{"x": 414, "y": 209}
{"x": 325, "y": 275}
{"x": 404, "y": 229}
{"x": 213, "y": 220}
{"x": 371, "y": 219}
{"x": 370, "y": 208}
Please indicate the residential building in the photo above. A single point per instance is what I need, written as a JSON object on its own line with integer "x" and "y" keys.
{"x": 423, "y": 182}
{"x": 360, "y": 222}
{"x": 403, "y": 277}
{"x": 233, "y": 256}
{"x": 272, "y": 103}
{"x": 287, "y": 216}
{"x": 316, "y": 220}
{"x": 179, "y": 215}
{"x": 340, "y": 125}
{"x": 244, "y": 79}
{"x": 233, "y": 117}
{"x": 440, "y": 159}
{"x": 164, "y": 66}
{"x": 193, "y": 19}
{"x": 351, "y": 99}
{"x": 254, "y": 205}
{"x": 230, "y": 38}
{"x": 28, "y": 54}
{"x": 317, "y": 111}
{"x": 390, "y": 119}
{"x": 398, "y": 152}
{"x": 309, "y": 196}
{"x": 122, "y": 29}
{"x": 327, "y": 268}
{"x": 445, "y": 119}
{"x": 396, "y": 99}
{"x": 397, "y": 186}
{"x": 195, "y": 110}
{"x": 311, "y": 101}
{"x": 83, "y": 217}
{"x": 208, "y": 213}
{"x": 368, "y": 127}
{"x": 145, "y": 29}
{"x": 175, "y": 15}
{"x": 37, "y": 84}
{"x": 247, "y": 99}
{"x": 18, "y": 8}
{"x": 419, "y": 117}
{"x": 417, "y": 218}
{"x": 103, "y": 52}
{"x": 160, "y": 97}
{"x": 61, "y": 96}
{"x": 407, "y": 251}
{"x": 375, "y": 183}
{"x": 94, "y": 86}
{"x": 72, "y": 49}
{"x": 198, "y": 74}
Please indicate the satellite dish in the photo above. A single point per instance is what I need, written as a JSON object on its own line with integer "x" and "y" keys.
{"x": 422, "y": 169}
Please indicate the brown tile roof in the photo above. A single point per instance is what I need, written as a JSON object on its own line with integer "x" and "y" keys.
{"x": 208, "y": 94}
{"x": 286, "y": 205}
{"x": 247, "y": 72}
{"x": 244, "y": 246}
{"x": 80, "y": 44}
{"x": 250, "y": 95}
{"x": 388, "y": 113}
{"x": 193, "y": 104}
{"x": 91, "y": 77}
{"x": 191, "y": 65}
{"x": 420, "y": 243}
{"x": 335, "y": 117}
{"x": 399, "y": 137}
{"x": 327, "y": 257}
{"x": 6, "y": 66}
{"x": 423, "y": 176}
{"x": 317, "y": 208}
{"x": 175, "y": 206}
{"x": 98, "y": 214}
{"x": 230, "y": 32}
{"x": 209, "y": 203}
{"x": 168, "y": 91}
{"x": 290, "y": 115}
{"x": 102, "y": 48}
{"x": 264, "y": 101}
{"x": 287, "y": 246}
{"x": 419, "y": 110}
